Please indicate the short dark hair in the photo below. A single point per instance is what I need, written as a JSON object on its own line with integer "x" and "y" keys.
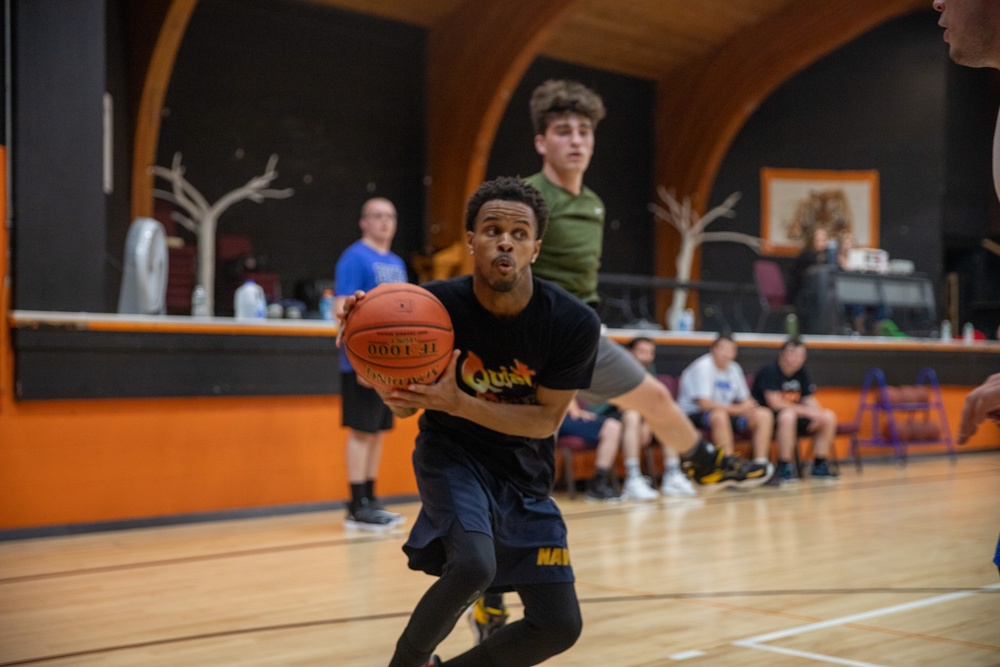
{"x": 721, "y": 337}
{"x": 558, "y": 97}
{"x": 639, "y": 339}
{"x": 793, "y": 341}
{"x": 506, "y": 188}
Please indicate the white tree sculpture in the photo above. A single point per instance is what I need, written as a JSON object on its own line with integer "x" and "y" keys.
{"x": 693, "y": 234}
{"x": 202, "y": 218}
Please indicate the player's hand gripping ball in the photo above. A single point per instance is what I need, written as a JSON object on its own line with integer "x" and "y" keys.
{"x": 398, "y": 334}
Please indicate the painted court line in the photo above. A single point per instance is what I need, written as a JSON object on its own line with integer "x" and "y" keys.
{"x": 758, "y": 641}
{"x": 686, "y": 655}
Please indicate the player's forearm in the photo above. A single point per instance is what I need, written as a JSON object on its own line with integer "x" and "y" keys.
{"x": 531, "y": 421}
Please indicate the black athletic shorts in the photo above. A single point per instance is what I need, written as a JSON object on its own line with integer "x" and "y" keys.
{"x": 529, "y": 534}
{"x": 739, "y": 423}
{"x": 361, "y": 407}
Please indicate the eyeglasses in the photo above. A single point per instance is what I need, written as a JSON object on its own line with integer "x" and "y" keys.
{"x": 381, "y": 215}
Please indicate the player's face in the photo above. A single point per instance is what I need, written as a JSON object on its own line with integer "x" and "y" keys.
{"x": 504, "y": 243}
{"x": 378, "y": 221}
{"x": 644, "y": 352}
{"x": 724, "y": 353}
{"x": 820, "y": 240}
{"x": 972, "y": 31}
{"x": 568, "y": 143}
{"x": 793, "y": 358}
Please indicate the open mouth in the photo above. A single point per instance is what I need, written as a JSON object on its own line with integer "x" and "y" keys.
{"x": 504, "y": 264}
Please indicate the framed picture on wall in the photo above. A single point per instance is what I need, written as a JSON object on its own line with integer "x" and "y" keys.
{"x": 794, "y": 202}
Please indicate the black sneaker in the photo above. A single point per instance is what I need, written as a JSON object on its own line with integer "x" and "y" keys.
{"x": 750, "y": 474}
{"x": 397, "y": 519}
{"x": 705, "y": 465}
{"x": 785, "y": 474}
{"x": 822, "y": 470}
{"x": 599, "y": 488}
{"x": 366, "y": 517}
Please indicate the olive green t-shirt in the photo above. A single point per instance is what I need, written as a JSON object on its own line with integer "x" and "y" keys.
{"x": 571, "y": 247}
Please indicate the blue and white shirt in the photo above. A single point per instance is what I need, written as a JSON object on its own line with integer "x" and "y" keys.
{"x": 702, "y": 380}
{"x": 361, "y": 267}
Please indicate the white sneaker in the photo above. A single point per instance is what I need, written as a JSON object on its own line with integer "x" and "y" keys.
{"x": 637, "y": 488}
{"x": 676, "y": 483}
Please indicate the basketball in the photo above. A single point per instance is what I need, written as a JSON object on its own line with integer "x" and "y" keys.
{"x": 398, "y": 334}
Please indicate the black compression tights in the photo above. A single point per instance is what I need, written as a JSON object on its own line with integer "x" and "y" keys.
{"x": 551, "y": 622}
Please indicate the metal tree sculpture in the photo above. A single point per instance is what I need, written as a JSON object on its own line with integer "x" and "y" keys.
{"x": 202, "y": 218}
{"x": 693, "y": 234}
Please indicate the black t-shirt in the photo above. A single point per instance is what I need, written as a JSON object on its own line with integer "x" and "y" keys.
{"x": 551, "y": 343}
{"x": 793, "y": 388}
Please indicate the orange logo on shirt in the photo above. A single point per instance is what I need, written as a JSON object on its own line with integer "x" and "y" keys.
{"x": 489, "y": 384}
{"x": 791, "y": 396}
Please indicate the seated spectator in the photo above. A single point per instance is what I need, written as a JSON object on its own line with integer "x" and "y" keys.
{"x": 603, "y": 434}
{"x": 636, "y": 434}
{"x": 713, "y": 392}
{"x": 857, "y": 313}
{"x": 784, "y": 386}
{"x": 816, "y": 251}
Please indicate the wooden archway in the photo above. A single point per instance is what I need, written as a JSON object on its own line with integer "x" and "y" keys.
{"x": 472, "y": 74}
{"x": 154, "y": 89}
{"x": 700, "y": 112}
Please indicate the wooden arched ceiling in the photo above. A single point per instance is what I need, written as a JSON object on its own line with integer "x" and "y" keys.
{"x": 472, "y": 73}
{"x": 154, "y": 90}
{"x": 714, "y": 62}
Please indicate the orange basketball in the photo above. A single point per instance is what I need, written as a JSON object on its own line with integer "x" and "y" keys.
{"x": 398, "y": 334}
{"x": 893, "y": 394}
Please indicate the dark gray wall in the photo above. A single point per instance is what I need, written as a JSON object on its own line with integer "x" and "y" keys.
{"x": 57, "y": 198}
{"x": 339, "y": 97}
{"x": 621, "y": 171}
{"x": 876, "y": 103}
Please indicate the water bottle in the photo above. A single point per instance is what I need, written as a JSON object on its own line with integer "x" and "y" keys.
{"x": 688, "y": 319}
{"x": 249, "y": 302}
{"x": 326, "y": 306}
{"x": 968, "y": 333}
{"x": 199, "y": 304}
{"x": 791, "y": 325}
{"x": 946, "y": 331}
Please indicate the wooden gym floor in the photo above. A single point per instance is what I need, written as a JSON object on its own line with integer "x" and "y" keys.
{"x": 887, "y": 567}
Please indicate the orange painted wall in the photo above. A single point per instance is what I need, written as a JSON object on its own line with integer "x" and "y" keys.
{"x": 68, "y": 462}
{"x": 845, "y": 403}
{"x": 65, "y": 462}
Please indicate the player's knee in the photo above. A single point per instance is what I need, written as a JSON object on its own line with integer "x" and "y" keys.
{"x": 472, "y": 564}
{"x": 787, "y": 417}
{"x": 631, "y": 419}
{"x": 473, "y": 573}
{"x": 561, "y": 630}
{"x": 655, "y": 390}
{"x": 612, "y": 428}
{"x": 718, "y": 418}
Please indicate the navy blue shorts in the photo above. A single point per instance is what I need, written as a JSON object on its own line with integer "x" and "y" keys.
{"x": 589, "y": 430}
{"x": 529, "y": 534}
{"x": 740, "y": 423}
{"x": 802, "y": 424}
